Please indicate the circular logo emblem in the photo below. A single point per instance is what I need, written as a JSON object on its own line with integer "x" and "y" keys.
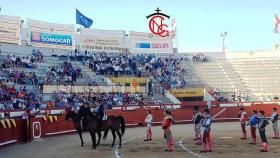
{"x": 157, "y": 26}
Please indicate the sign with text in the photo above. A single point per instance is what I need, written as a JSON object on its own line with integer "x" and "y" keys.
{"x": 51, "y": 35}
{"x": 191, "y": 92}
{"x": 149, "y": 43}
{"x": 102, "y": 40}
{"x": 10, "y": 29}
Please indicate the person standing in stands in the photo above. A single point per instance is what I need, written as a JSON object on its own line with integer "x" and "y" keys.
{"x": 148, "y": 121}
{"x": 206, "y": 124}
{"x": 243, "y": 117}
{"x": 253, "y": 125}
{"x": 263, "y": 122}
{"x": 274, "y": 120}
{"x": 197, "y": 125}
{"x": 167, "y": 122}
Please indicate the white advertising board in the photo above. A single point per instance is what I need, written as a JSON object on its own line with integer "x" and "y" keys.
{"x": 50, "y": 35}
{"x": 10, "y": 29}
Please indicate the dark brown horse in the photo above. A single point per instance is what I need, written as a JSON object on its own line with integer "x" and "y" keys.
{"x": 114, "y": 123}
{"x": 76, "y": 119}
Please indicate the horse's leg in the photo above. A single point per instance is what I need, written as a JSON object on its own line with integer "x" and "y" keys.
{"x": 92, "y": 134}
{"x": 120, "y": 137}
{"x": 114, "y": 137}
{"x": 81, "y": 137}
{"x": 99, "y": 137}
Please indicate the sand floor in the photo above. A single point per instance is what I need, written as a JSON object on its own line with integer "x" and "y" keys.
{"x": 226, "y": 142}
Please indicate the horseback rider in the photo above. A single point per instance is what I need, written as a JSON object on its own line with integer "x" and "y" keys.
{"x": 100, "y": 109}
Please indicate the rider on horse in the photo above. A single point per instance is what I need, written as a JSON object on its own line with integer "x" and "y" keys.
{"x": 100, "y": 109}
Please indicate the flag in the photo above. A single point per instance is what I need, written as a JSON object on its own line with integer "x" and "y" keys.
{"x": 172, "y": 30}
{"x": 83, "y": 20}
{"x": 276, "y": 23}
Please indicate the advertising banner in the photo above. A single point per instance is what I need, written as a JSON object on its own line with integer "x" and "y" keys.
{"x": 191, "y": 92}
{"x": 10, "y": 29}
{"x": 39, "y": 37}
{"x": 128, "y": 79}
{"x": 51, "y": 35}
{"x": 149, "y": 43}
{"x": 102, "y": 40}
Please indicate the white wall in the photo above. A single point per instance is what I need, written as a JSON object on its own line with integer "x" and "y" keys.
{"x": 253, "y": 54}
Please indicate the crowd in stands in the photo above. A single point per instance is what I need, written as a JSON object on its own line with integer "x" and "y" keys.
{"x": 63, "y": 74}
{"x": 199, "y": 58}
{"x": 110, "y": 100}
{"x": 24, "y": 61}
{"x": 228, "y": 97}
{"x": 166, "y": 70}
{"x": 16, "y": 97}
{"x": 9, "y": 72}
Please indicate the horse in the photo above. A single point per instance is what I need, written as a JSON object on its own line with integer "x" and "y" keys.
{"x": 76, "y": 119}
{"x": 114, "y": 123}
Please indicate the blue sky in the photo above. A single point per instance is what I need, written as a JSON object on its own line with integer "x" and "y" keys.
{"x": 249, "y": 23}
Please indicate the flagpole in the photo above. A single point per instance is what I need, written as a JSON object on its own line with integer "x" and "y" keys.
{"x": 275, "y": 41}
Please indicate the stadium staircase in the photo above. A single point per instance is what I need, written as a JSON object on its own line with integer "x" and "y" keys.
{"x": 89, "y": 75}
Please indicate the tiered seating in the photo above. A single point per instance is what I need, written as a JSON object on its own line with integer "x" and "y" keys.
{"x": 215, "y": 73}
{"x": 261, "y": 76}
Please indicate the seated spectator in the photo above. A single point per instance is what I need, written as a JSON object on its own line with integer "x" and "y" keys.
{"x": 36, "y": 111}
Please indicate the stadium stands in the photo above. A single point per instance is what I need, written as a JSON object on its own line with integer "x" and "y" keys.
{"x": 260, "y": 76}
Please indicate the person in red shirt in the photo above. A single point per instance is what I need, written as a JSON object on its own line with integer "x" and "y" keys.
{"x": 243, "y": 118}
{"x": 167, "y": 122}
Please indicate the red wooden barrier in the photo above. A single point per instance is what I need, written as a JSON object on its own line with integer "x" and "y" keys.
{"x": 38, "y": 127}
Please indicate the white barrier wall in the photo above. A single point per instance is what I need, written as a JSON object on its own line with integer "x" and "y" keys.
{"x": 102, "y": 40}
{"x": 10, "y": 29}
{"x": 50, "y": 35}
{"x": 253, "y": 54}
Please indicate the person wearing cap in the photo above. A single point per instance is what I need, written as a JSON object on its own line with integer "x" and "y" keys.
{"x": 274, "y": 119}
{"x": 148, "y": 121}
{"x": 243, "y": 118}
{"x": 197, "y": 125}
{"x": 167, "y": 122}
{"x": 206, "y": 124}
{"x": 263, "y": 122}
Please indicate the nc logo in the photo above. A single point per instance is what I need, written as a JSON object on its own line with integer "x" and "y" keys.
{"x": 157, "y": 25}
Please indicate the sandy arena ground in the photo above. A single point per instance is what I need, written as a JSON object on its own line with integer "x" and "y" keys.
{"x": 226, "y": 137}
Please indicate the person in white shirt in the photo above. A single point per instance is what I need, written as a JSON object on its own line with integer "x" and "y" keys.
{"x": 148, "y": 121}
{"x": 36, "y": 111}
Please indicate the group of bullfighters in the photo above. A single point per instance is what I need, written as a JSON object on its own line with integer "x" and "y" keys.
{"x": 204, "y": 120}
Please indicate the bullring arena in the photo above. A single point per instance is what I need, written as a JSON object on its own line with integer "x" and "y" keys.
{"x": 70, "y": 71}
{"x": 226, "y": 138}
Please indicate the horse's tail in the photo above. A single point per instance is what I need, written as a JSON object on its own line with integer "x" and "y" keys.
{"x": 122, "y": 124}
{"x": 105, "y": 134}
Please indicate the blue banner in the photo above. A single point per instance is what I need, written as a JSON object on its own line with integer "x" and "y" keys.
{"x": 143, "y": 45}
{"x": 39, "y": 37}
